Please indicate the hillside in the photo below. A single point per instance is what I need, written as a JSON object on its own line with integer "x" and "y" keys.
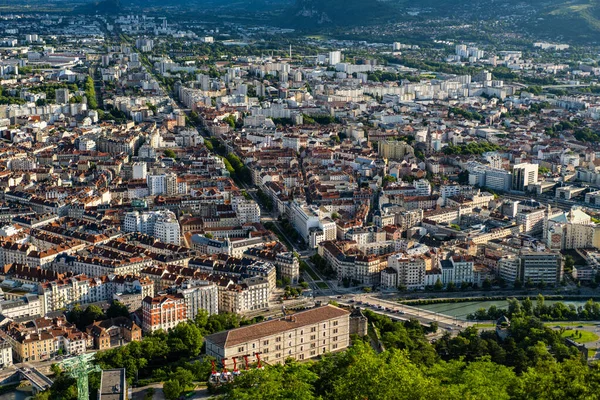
{"x": 552, "y": 19}
{"x": 306, "y": 14}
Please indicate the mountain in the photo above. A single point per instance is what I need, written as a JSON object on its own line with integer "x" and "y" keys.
{"x": 552, "y": 19}
{"x": 307, "y": 14}
{"x": 101, "y": 7}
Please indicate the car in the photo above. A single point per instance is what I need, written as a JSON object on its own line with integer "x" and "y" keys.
{"x": 359, "y": 302}
{"x": 350, "y": 301}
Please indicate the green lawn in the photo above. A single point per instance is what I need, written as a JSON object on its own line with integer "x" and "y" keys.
{"x": 486, "y": 325}
{"x": 580, "y": 336}
{"x": 572, "y": 324}
{"x": 322, "y": 285}
{"x": 592, "y": 353}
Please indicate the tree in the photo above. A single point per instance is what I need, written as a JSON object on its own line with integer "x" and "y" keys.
{"x": 518, "y": 284}
{"x": 172, "y": 389}
{"x": 438, "y": 285}
{"x": 170, "y": 153}
{"x": 487, "y": 284}
{"x": 56, "y": 370}
{"x": 184, "y": 376}
{"x": 117, "y": 309}
{"x": 569, "y": 264}
{"x": 185, "y": 338}
{"x": 291, "y": 381}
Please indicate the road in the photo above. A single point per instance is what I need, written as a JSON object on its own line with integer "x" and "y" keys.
{"x": 403, "y": 312}
{"x": 563, "y": 204}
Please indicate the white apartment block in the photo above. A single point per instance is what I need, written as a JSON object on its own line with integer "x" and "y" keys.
{"x": 200, "y": 295}
{"x": 409, "y": 271}
{"x": 161, "y": 224}
{"x": 162, "y": 184}
{"x": 248, "y": 212}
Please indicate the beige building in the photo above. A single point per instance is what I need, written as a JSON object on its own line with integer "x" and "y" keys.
{"x": 301, "y": 336}
{"x": 395, "y": 149}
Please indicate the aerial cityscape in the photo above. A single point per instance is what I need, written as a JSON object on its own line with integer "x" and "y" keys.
{"x": 292, "y": 199}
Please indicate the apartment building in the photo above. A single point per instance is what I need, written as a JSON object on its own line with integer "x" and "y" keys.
{"x": 301, "y": 336}
{"x": 200, "y": 295}
{"x": 404, "y": 270}
{"x": 163, "y": 312}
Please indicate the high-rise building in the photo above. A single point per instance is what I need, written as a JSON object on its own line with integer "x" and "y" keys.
{"x": 139, "y": 170}
{"x": 200, "y": 295}
{"x": 524, "y": 175}
{"x": 163, "y": 225}
{"x": 62, "y": 96}
{"x": 335, "y": 57}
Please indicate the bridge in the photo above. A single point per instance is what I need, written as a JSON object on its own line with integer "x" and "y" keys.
{"x": 39, "y": 381}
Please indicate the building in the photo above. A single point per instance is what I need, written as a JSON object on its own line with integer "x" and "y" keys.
{"x": 6, "y": 355}
{"x": 200, "y": 295}
{"x": 541, "y": 267}
{"x": 408, "y": 270}
{"x": 335, "y": 57}
{"x": 113, "y": 332}
{"x": 532, "y": 220}
{"x": 62, "y": 96}
{"x": 162, "y": 184}
{"x": 300, "y": 336}
{"x": 163, "y": 312}
{"x": 457, "y": 269}
{"x": 524, "y": 175}
{"x": 113, "y": 385}
{"x": 304, "y": 218}
{"x": 163, "y": 225}
{"x": 572, "y": 230}
{"x": 395, "y": 149}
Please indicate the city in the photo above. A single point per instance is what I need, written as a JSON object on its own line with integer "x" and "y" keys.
{"x": 231, "y": 208}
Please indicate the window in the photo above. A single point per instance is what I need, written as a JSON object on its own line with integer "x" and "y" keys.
{"x": 253, "y": 345}
{"x": 301, "y": 340}
{"x": 266, "y": 342}
{"x": 278, "y": 339}
{"x": 313, "y": 337}
{"x": 335, "y": 330}
{"x": 278, "y": 347}
{"x": 302, "y": 332}
{"x": 335, "y": 338}
{"x": 335, "y": 323}
{"x": 324, "y": 326}
{"x": 240, "y": 349}
{"x": 313, "y": 329}
{"x": 324, "y": 350}
{"x": 266, "y": 350}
